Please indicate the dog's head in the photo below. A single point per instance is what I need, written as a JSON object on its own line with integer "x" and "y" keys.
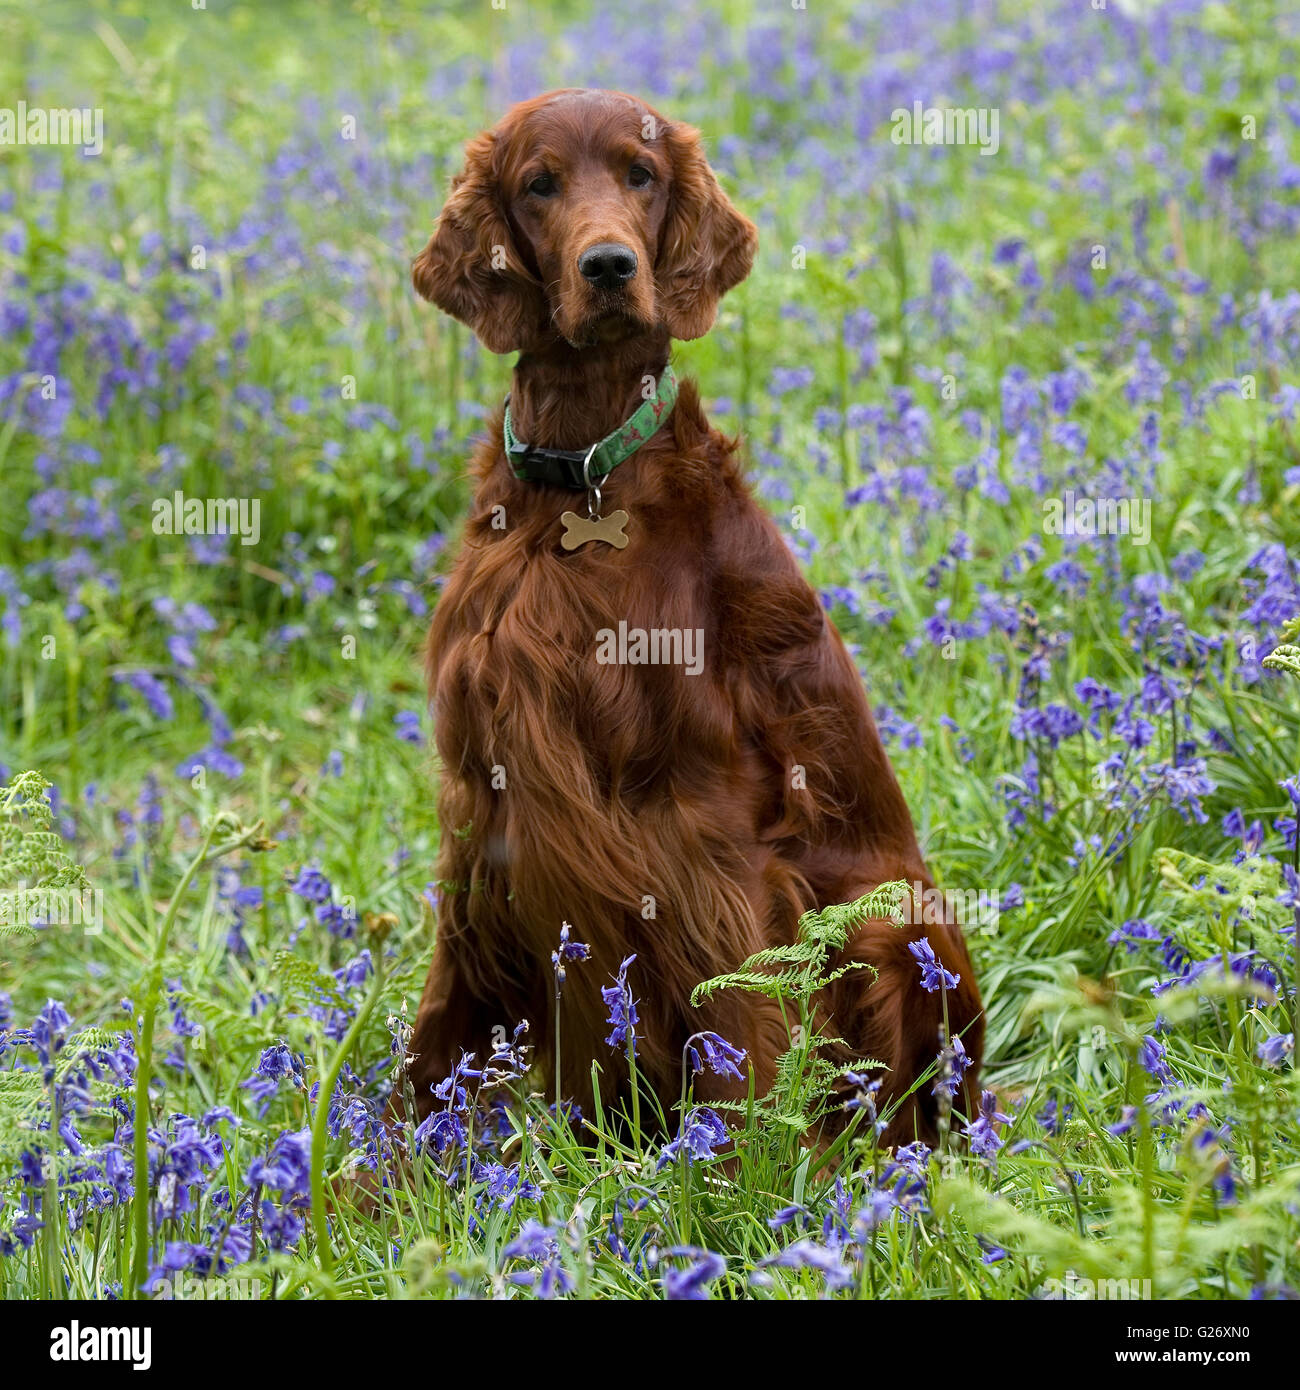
{"x": 584, "y": 214}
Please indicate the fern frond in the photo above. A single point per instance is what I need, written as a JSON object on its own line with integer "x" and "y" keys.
{"x": 229, "y": 1029}
{"x": 850, "y": 965}
{"x": 774, "y": 986}
{"x": 832, "y": 926}
{"x": 1283, "y": 658}
{"x": 31, "y": 850}
{"x": 803, "y": 1082}
{"x": 306, "y": 982}
{"x": 20, "y": 1093}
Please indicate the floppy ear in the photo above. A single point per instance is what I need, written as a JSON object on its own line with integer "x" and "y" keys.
{"x": 469, "y": 269}
{"x": 707, "y": 247}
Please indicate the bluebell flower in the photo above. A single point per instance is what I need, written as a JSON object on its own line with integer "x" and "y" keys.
{"x": 827, "y": 1260}
{"x": 539, "y": 1243}
{"x": 913, "y": 1159}
{"x": 624, "y": 1205}
{"x": 1208, "y": 1145}
{"x": 504, "y": 1185}
{"x": 874, "y": 1212}
{"x": 1132, "y": 933}
{"x": 408, "y": 727}
{"x": 953, "y": 1063}
{"x": 451, "y": 1088}
{"x": 865, "y": 1091}
{"x": 1274, "y": 1051}
{"x": 1152, "y": 1056}
{"x": 691, "y": 1284}
{"x": 441, "y": 1130}
{"x": 621, "y": 1009}
{"x": 568, "y": 951}
{"x": 156, "y": 695}
{"x": 1127, "y": 1119}
{"x": 275, "y": 1066}
{"x": 1052, "y": 1117}
{"x": 982, "y": 1133}
{"x": 312, "y": 885}
{"x": 702, "y": 1133}
{"x": 508, "y": 1060}
{"x": 286, "y": 1167}
{"x": 933, "y": 975}
{"x": 719, "y": 1056}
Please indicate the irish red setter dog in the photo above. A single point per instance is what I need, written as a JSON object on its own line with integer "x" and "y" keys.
{"x": 684, "y": 786}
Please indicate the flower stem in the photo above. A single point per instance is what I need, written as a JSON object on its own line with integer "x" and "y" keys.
{"x": 320, "y": 1222}
{"x": 144, "y": 1070}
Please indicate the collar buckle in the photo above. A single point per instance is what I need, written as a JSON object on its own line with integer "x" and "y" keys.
{"x": 571, "y": 468}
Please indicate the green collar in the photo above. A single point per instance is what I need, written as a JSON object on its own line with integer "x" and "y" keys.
{"x": 580, "y": 468}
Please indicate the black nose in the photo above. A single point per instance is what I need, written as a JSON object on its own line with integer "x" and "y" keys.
{"x": 608, "y": 265}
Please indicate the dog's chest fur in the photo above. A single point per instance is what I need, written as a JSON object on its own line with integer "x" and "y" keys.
{"x": 550, "y": 664}
{"x": 583, "y": 778}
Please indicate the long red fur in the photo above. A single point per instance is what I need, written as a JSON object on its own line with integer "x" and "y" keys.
{"x": 686, "y": 819}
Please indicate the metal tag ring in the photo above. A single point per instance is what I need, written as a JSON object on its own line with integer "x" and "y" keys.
{"x": 593, "y": 489}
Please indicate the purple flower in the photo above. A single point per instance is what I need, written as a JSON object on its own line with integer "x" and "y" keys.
{"x": 441, "y": 1130}
{"x": 1052, "y": 1117}
{"x": 541, "y": 1244}
{"x": 155, "y": 694}
{"x": 719, "y": 1056}
{"x": 954, "y": 1062}
{"x": 1132, "y": 933}
{"x": 982, "y": 1132}
{"x": 933, "y": 975}
{"x": 286, "y": 1168}
{"x": 621, "y": 1009}
{"x": 276, "y": 1065}
{"x": 789, "y": 379}
{"x": 1152, "y": 1057}
{"x": 863, "y": 1098}
{"x": 690, "y": 1284}
{"x": 1127, "y": 1119}
{"x": 408, "y": 727}
{"x": 312, "y": 885}
{"x": 701, "y": 1135}
{"x": 568, "y": 950}
{"x": 827, "y": 1260}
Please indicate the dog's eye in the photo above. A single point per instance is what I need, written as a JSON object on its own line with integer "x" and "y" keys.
{"x": 638, "y": 176}
{"x": 543, "y": 186}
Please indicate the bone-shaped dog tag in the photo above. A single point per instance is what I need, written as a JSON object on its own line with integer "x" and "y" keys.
{"x": 578, "y": 530}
